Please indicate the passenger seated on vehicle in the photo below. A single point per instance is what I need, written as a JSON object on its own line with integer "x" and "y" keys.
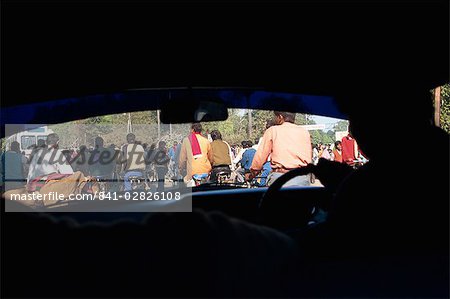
{"x": 247, "y": 159}
{"x": 390, "y": 217}
{"x": 195, "y": 154}
{"x": 221, "y": 156}
{"x": 132, "y": 159}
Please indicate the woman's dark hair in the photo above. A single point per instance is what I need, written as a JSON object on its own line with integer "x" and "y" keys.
{"x": 215, "y": 135}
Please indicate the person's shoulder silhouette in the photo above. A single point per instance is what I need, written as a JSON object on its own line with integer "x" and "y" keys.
{"x": 400, "y": 197}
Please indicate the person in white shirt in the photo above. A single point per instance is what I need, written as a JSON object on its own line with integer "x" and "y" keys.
{"x": 257, "y": 142}
{"x": 48, "y": 160}
{"x": 239, "y": 154}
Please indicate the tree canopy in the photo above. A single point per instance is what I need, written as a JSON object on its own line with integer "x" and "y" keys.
{"x": 113, "y": 128}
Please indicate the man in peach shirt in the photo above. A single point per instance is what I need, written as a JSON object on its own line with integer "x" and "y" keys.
{"x": 289, "y": 147}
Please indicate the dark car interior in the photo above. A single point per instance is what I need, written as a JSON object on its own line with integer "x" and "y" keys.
{"x": 378, "y": 232}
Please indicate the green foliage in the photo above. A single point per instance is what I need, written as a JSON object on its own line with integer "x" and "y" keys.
{"x": 341, "y": 125}
{"x": 2, "y": 145}
{"x": 113, "y": 128}
{"x": 232, "y": 130}
{"x": 259, "y": 121}
{"x": 319, "y": 136}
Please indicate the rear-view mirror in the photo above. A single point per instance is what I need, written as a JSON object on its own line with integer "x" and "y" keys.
{"x": 189, "y": 110}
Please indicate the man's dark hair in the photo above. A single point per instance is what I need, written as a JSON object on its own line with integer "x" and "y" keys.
{"x": 98, "y": 141}
{"x": 197, "y": 127}
{"x": 52, "y": 139}
{"x": 269, "y": 123}
{"x": 288, "y": 116}
{"x": 131, "y": 138}
{"x": 15, "y": 146}
{"x": 161, "y": 144}
{"x": 41, "y": 143}
{"x": 215, "y": 135}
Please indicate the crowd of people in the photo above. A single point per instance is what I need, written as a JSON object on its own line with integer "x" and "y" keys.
{"x": 197, "y": 158}
{"x": 283, "y": 147}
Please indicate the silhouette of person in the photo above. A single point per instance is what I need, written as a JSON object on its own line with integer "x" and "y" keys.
{"x": 389, "y": 217}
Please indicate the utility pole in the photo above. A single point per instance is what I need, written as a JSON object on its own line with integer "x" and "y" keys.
{"x": 159, "y": 124}
{"x": 129, "y": 126}
{"x": 250, "y": 124}
{"x": 437, "y": 106}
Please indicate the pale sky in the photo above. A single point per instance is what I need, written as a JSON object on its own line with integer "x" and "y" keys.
{"x": 329, "y": 122}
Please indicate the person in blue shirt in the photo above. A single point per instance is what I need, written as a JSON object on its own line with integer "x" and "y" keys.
{"x": 247, "y": 156}
{"x": 172, "y": 150}
{"x": 245, "y": 161}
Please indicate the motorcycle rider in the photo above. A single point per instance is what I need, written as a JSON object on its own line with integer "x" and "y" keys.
{"x": 195, "y": 156}
{"x": 132, "y": 159}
